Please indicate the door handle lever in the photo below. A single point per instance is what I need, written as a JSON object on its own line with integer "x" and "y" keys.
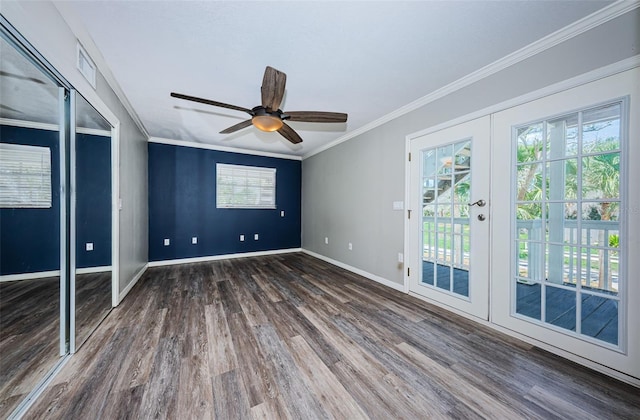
{"x": 479, "y": 203}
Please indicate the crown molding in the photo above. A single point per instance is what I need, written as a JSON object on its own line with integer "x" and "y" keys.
{"x": 221, "y": 148}
{"x": 582, "y": 79}
{"x": 572, "y": 30}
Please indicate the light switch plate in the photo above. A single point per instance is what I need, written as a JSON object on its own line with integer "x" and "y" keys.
{"x": 281, "y": 213}
{"x": 241, "y": 238}
{"x": 255, "y": 237}
{"x": 398, "y": 205}
{"x": 194, "y": 240}
{"x": 167, "y": 242}
{"x": 89, "y": 246}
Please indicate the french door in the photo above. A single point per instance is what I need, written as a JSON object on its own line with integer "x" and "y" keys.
{"x": 449, "y": 223}
{"x": 528, "y": 218}
{"x": 569, "y": 210}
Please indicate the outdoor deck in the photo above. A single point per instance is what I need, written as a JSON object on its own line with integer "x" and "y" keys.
{"x": 599, "y": 317}
{"x": 460, "y": 278}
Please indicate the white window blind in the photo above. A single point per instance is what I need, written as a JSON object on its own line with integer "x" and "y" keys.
{"x": 245, "y": 187}
{"x": 25, "y": 176}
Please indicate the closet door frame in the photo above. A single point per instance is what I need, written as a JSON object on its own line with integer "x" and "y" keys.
{"x": 66, "y": 104}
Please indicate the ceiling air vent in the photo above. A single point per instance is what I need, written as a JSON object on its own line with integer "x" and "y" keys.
{"x": 86, "y": 66}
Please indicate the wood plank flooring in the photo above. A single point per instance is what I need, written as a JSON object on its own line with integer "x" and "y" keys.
{"x": 29, "y": 334}
{"x": 292, "y": 337}
{"x": 30, "y": 329}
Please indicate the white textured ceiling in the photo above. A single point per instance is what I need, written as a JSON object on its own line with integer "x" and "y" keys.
{"x": 363, "y": 58}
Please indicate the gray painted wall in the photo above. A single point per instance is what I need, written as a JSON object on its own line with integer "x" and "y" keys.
{"x": 43, "y": 26}
{"x": 348, "y": 190}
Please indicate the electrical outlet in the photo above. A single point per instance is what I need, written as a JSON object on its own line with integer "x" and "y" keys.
{"x": 167, "y": 242}
{"x": 255, "y": 237}
{"x": 241, "y": 238}
{"x": 89, "y": 246}
{"x": 350, "y": 246}
{"x": 194, "y": 240}
{"x": 281, "y": 213}
{"x": 326, "y": 240}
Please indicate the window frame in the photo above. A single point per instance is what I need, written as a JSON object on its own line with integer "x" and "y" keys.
{"x": 28, "y": 182}
{"x": 240, "y": 176}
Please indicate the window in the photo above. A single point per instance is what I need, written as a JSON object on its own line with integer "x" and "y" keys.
{"x": 245, "y": 187}
{"x": 25, "y": 176}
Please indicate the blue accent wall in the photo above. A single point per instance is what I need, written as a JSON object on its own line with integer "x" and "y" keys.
{"x": 93, "y": 200}
{"x": 182, "y": 205}
{"x": 30, "y": 238}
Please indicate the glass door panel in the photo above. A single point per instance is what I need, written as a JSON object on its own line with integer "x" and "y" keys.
{"x": 446, "y": 181}
{"x": 449, "y": 230}
{"x": 567, "y": 271}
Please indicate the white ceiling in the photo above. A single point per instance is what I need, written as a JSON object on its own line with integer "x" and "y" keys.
{"x": 363, "y": 58}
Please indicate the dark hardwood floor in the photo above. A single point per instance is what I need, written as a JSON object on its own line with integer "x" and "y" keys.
{"x": 29, "y": 337}
{"x": 30, "y": 329}
{"x": 290, "y": 336}
{"x": 93, "y": 303}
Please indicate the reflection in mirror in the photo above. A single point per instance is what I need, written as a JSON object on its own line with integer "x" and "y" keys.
{"x": 29, "y": 227}
{"x": 93, "y": 220}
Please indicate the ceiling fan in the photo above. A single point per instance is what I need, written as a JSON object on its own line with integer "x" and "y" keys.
{"x": 269, "y": 116}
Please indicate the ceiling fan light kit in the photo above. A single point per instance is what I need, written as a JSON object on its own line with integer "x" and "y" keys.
{"x": 268, "y": 117}
{"x": 267, "y": 121}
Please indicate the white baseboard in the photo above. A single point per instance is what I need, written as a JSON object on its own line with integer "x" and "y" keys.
{"x": 52, "y": 273}
{"x": 30, "y": 276}
{"x": 91, "y": 270}
{"x": 132, "y": 283}
{"x": 222, "y": 257}
{"x": 377, "y": 279}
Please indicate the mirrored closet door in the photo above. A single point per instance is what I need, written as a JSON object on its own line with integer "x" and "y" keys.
{"x": 56, "y": 229}
{"x": 92, "y": 288}
{"x": 33, "y": 328}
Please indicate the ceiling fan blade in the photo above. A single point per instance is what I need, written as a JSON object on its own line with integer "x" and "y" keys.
{"x": 272, "y": 88}
{"x": 316, "y": 116}
{"x": 290, "y": 134}
{"x": 236, "y": 127}
{"x": 210, "y": 102}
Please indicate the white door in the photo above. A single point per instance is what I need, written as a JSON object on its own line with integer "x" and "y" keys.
{"x": 449, "y": 217}
{"x": 566, "y": 252}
